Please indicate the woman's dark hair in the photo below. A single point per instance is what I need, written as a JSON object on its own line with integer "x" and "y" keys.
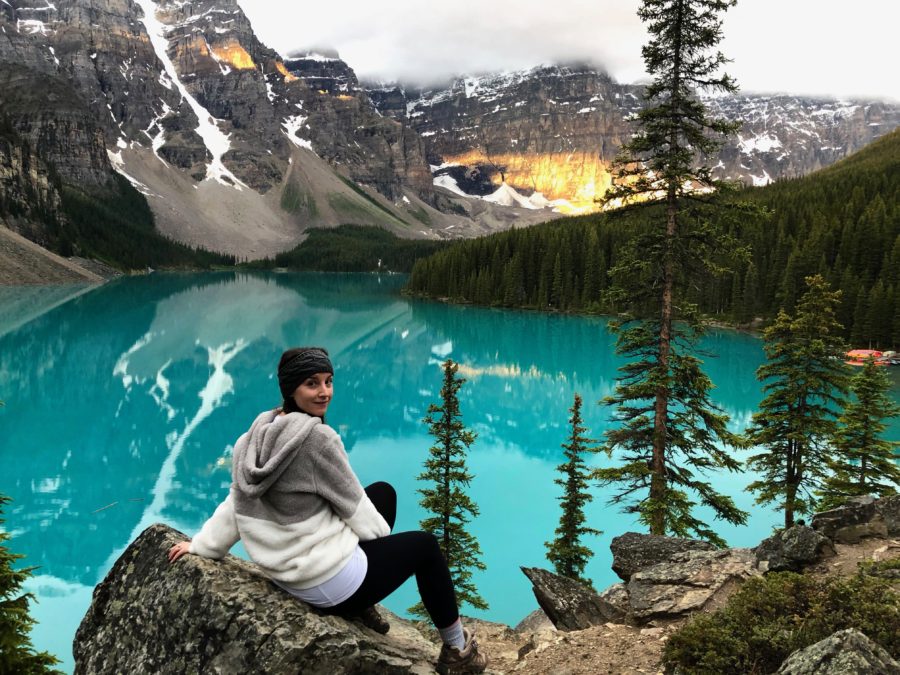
{"x": 295, "y": 366}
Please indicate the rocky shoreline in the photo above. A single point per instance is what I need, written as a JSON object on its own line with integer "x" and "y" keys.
{"x": 225, "y": 617}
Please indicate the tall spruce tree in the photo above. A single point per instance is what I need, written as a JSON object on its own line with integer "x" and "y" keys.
{"x": 568, "y": 555}
{"x": 17, "y": 655}
{"x": 446, "y": 472}
{"x": 671, "y": 433}
{"x": 805, "y": 380}
{"x": 863, "y": 463}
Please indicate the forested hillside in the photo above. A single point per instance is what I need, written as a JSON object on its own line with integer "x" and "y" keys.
{"x": 352, "y": 248}
{"x": 842, "y": 222}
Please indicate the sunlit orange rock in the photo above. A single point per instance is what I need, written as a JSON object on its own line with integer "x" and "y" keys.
{"x": 581, "y": 178}
{"x": 288, "y": 77}
{"x": 231, "y": 52}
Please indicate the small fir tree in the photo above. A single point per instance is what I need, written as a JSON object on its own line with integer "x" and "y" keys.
{"x": 568, "y": 555}
{"x": 446, "y": 472}
{"x": 17, "y": 655}
{"x": 864, "y": 463}
{"x": 670, "y": 432}
{"x": 805, "y": 379}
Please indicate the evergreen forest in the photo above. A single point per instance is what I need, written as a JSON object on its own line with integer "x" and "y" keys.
{"x": 113, "y": 224}
{"x": 117, "y": 227}
{"x": 353, "y": 248}
{"x": 842, "y": 222}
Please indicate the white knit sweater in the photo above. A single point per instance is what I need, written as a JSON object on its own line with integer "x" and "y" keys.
{"x": 294, "y": 501}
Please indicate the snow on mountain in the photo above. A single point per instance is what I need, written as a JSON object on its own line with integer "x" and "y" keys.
{"x": 507, "y": 196}
{"x": 214, "y": 139}
{"x": 557, "y": 129}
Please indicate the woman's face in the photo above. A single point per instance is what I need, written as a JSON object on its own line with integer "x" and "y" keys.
{"x": 314, "y": 394}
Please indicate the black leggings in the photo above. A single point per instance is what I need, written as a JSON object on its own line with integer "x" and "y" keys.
{"x": 394, "y": 559}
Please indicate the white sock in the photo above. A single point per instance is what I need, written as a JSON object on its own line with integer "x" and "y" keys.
{"x": 453, "y": 634}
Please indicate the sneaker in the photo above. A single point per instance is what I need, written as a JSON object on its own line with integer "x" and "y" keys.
{"x": 456, "y": 661}
{"x": 371, "y": 618}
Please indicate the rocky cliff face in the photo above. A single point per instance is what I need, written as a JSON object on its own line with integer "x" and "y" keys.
{"x": 29, "y": 190}
{"x": 555, "y": 130}
{"x": 552, "y": 130}
{"x": 210, "y": 124}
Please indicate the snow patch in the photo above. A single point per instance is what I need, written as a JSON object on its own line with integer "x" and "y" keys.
{"x": 118, "y": 164}
{"x": 449, "y": 183}
{"x": 761, "y": 143}
{"x": 314, "y": 56}
{"x": 291, "y": 126}
{"x": 508, "y": 196}
{"x": 214, "y": 139}
{"x": 759, "y": 181}
{"x": 33, "y": 27}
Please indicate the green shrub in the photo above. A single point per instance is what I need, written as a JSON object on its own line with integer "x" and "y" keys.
{"x": 887, "y": 568}
{"x": 770, "y": 617}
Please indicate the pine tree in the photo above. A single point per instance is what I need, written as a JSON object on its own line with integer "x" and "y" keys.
{"x": 446, "y": 471}
{"x": 16, "y": 652}
{"x": 568, "y": 555}
{"x": 805, "y": 380}
{"x": 671, "y": 432}
{"x": 864, "y": 463}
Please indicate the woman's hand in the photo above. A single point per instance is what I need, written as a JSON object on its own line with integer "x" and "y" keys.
{"x": 179, "y": 550}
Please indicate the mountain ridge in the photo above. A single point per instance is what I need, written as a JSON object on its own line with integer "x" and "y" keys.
{"x": 241, "y": 150}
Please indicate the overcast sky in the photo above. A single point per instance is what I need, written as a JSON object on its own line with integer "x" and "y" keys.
{"x": 828, "y": 47}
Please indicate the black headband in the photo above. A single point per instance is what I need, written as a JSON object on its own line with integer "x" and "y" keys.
{"x": 298, "y": 364}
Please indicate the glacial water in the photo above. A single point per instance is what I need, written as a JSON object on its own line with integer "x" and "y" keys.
{"x": 122, "y": 403}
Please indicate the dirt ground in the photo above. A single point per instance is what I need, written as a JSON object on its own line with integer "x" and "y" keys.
{"x": 614, "y": 649}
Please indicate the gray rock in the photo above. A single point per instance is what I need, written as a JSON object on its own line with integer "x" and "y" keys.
{"x": 847, "y": 651}
{"x": 568, "y": 604}
{"x": 861, "y": 517}
{"x": 689, "y": 582}
{"x": 199, "y": 615}
{"x": 633, "y": 552}
{"x": 617, "y": 597}
{"x": 535, "y": 622}
{"x": 792, "y": 549}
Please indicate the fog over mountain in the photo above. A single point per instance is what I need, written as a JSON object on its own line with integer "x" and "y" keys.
{"x": 800, "y": 47}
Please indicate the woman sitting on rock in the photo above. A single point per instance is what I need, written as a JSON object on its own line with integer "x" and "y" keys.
{"x": 306, "y": 521}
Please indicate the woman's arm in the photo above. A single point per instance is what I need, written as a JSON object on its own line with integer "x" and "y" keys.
{"x": 215, "y": 538}
{"x": 336, "y": 482}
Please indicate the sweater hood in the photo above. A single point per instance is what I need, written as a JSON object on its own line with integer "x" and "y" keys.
{"x": 263, "y": 453}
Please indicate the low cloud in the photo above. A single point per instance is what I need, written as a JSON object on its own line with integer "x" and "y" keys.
{"x": 802, "y": 46}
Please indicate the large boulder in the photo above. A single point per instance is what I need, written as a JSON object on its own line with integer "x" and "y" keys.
{"x": 860, "y": 517}
{"x": 633, "y": 552}
{"x": 688, "y": 582}
{"x": 567, "y": 603}
{"x": 792, "y": 549}
{"x": 200, "y": 615}
{"x": 847, "y": 651}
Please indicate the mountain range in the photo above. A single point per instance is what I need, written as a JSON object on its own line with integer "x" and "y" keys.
{"x": 240, "y": 150}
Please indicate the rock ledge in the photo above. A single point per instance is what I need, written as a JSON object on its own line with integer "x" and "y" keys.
{"x": 199, "y": 615}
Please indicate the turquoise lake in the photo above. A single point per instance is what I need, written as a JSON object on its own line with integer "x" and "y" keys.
{"x": 122, "y": 403}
